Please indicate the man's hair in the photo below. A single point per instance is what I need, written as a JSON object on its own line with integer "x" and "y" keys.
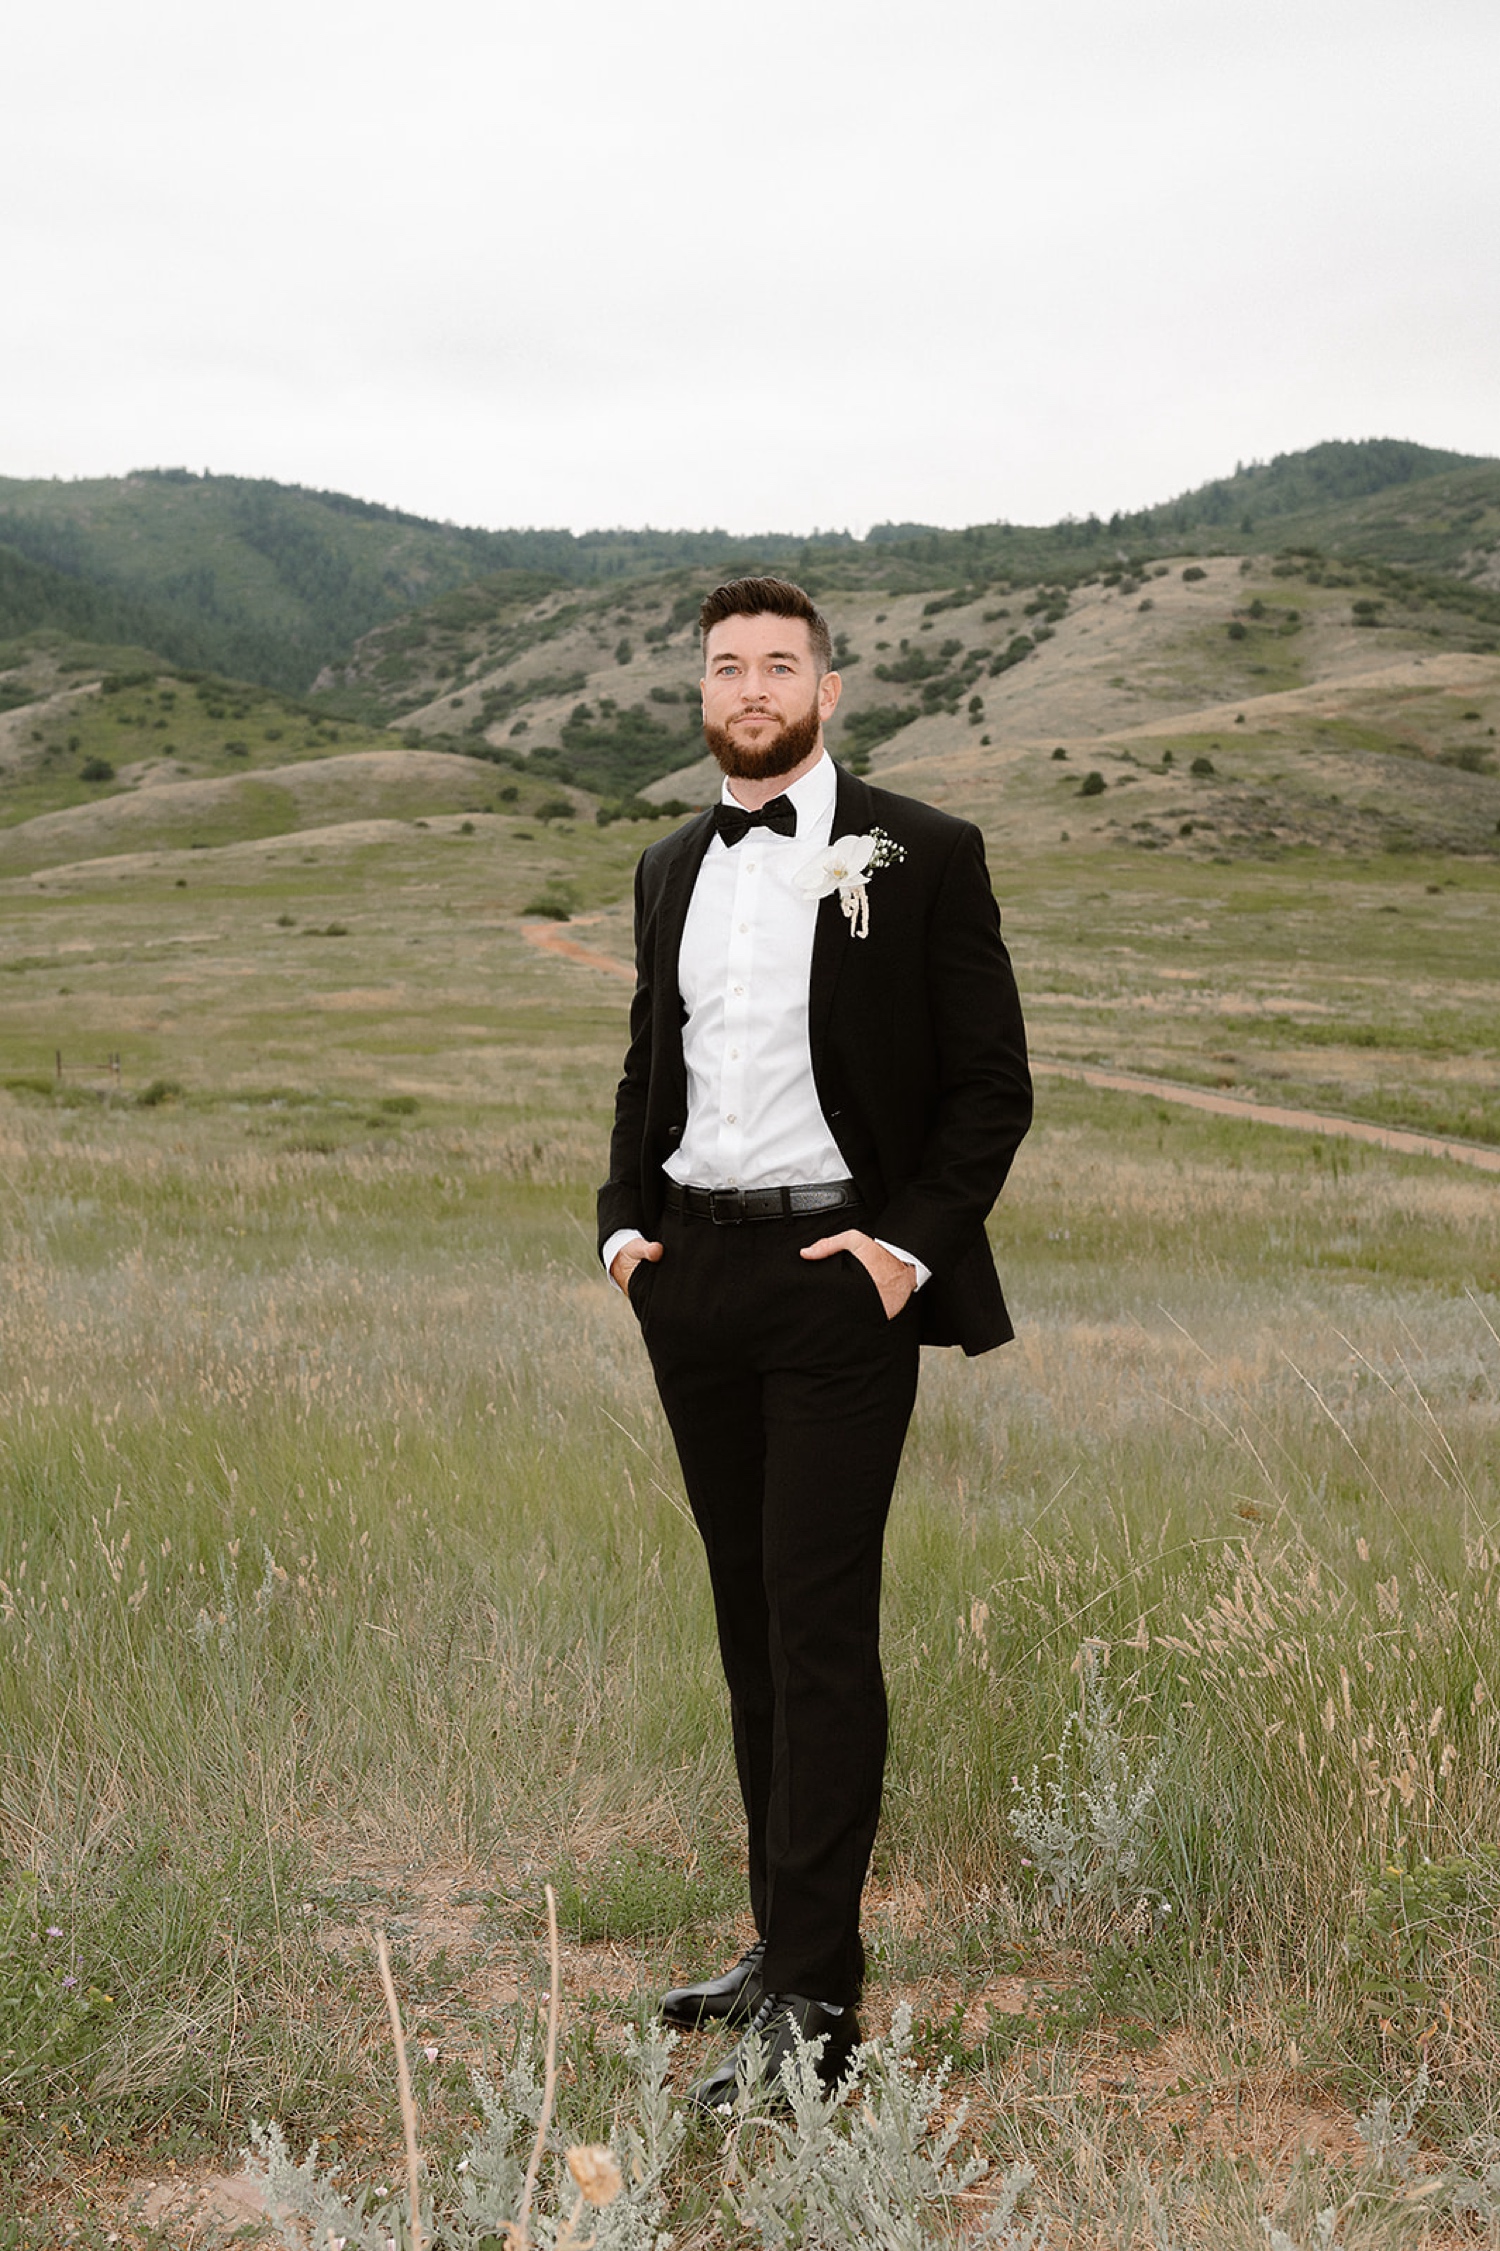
{"x": 768, "y": 597}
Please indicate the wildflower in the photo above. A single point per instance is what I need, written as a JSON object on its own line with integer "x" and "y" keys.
{"x": 431, "y": 2054}
{"x": 594, "y": 2169}
{"x": 69, "y": 1981}
{"x": 53, "y": 1931}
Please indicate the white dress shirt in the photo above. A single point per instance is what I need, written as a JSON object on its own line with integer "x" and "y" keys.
{"x": 753, "y": 1115}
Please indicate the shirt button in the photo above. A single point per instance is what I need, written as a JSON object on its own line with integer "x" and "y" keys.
{"x": 744, "y": 926}
{"x": 749, "y": 867}
{"x": 740, "y": 991}
{"x": 729, "y": 1117}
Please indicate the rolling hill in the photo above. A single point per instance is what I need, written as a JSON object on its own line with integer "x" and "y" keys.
{"x": 278, "y": 583}
{"x": 1332, "y": 686}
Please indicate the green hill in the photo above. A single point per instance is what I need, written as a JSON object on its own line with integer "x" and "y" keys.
{"x": 1294, "y": 483}
{"x": 273, "y": 582}
{"x": 278, "y": 583}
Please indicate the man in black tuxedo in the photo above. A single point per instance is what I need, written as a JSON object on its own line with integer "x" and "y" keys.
{"x": 825, "y": 1085}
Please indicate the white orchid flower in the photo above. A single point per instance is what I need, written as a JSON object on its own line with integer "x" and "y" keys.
{"x": 840, "y": 866}
{"x": 845, "y": 866}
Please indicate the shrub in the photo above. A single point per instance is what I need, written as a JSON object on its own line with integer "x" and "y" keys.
{"x": 159, "y": 1091}
{"x": 1236, "y": 630}
{"x": 554, "y": 809}
{"x": 1020, "y": 647}
{"x": 1059, "y": 752}
{"x": 626, "y": 809}
{"x": 1093, "y": 784}
{"x": 466, "y": 828}
{"x": 1415, "y": 1926}
{"x": 1202, "y": 765}
{"x": 1194, "y": 571}
{"x": 96, "y": 770}
{"x": 862, "y": 730}
{"x": 509, "y": 794}
{"x": 400, "y": 1105}
{"x": 623, "y": 651}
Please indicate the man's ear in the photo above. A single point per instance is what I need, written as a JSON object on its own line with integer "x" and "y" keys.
{"x": 830, "y": 688}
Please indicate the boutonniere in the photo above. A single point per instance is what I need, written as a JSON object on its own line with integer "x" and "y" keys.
{"x": 846, "y": 866}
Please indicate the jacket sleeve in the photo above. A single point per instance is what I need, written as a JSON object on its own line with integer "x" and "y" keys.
{"x": 620, "y": 1202}
{"x": 983, "y": 1084}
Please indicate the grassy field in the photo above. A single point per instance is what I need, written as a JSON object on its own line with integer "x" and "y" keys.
{"x": 345, "y": 1578}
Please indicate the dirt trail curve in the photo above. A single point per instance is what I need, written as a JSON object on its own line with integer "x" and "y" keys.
{"x": 550, "y": 938}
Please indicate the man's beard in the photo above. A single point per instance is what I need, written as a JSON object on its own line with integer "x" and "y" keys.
{"x": 744, "y": 762}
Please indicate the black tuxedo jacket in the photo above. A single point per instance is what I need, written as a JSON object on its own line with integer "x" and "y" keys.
{"x": 918, "y": 1051}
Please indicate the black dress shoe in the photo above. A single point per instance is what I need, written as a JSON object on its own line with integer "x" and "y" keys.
{"x": 730, "y": 1999}
{"x": 776, "y": 2025}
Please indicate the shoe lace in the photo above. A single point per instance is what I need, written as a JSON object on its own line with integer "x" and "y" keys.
{"x": 771, "y": 2005}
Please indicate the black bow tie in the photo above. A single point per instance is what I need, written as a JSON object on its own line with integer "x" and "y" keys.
{"x": 732, "y": 821}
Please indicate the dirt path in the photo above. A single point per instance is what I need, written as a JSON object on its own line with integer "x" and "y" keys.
{"x": 549, "y": 936}
{"x": 1265, "y": 1113}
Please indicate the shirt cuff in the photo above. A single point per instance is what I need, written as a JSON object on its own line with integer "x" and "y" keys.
{"x": 923, "y": 1273}
{"x": 617, "y": 1242}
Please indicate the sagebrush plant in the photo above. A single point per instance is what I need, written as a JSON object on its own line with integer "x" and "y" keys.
{"x": 874, "y": 2162}
{"x": 470, "y": 2203}
{"x": 1087, "y": 1831}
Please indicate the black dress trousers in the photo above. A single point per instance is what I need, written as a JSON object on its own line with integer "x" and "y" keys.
{"x": 789, "y": 1392}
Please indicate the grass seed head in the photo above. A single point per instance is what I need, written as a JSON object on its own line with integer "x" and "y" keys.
{"x": 593, "y": 2167}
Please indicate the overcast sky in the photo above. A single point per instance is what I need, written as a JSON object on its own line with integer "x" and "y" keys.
{"x": 766, "y": 267}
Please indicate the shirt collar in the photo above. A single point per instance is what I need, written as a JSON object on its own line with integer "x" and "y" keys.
{"x": 813, "y": 794}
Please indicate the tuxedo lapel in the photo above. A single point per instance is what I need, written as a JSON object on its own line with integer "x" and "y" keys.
{"x": 852, "y": 810}
{"x": 678, "y": 878}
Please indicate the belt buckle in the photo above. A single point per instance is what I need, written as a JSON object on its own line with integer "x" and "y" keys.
{"x": 732, "y": 1217}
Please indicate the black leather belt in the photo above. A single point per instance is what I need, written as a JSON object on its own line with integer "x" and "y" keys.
{"x": 731, "y": 1207}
